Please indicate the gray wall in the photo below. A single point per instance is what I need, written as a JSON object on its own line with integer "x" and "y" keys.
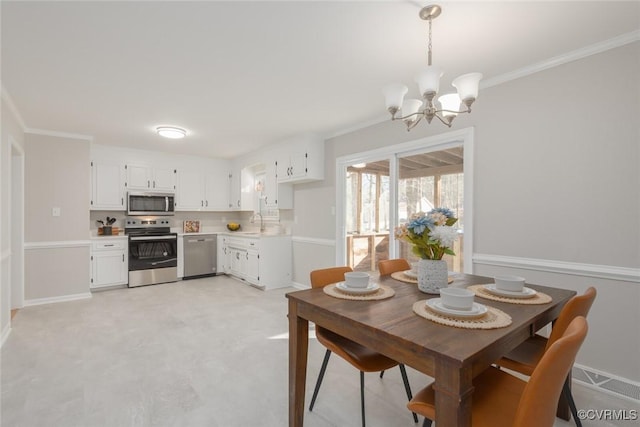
{"x": 57, "y": 255}
{"x": 556, "y": 178}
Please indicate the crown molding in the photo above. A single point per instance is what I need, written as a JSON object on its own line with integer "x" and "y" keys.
{"x": 58, "y": 134}
{"x": 565, "y": 58}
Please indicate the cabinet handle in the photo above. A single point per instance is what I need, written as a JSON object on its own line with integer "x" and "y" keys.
{"x": 148, "y": 184}
{"x": 122, "y": 201}
{"x": 201, "y": 203}
{"x": 122, "y": 257}
{"x": 207, "y": 203}
{"x": 108, "y": 245}
{"x": 238, "y": 203}
{"x": 154, "y": 184}
{"x": 266, "y": 198}
{"x": 247, "y": 256}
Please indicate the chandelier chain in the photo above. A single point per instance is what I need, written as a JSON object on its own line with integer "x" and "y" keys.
{"x": 429, "y": 46}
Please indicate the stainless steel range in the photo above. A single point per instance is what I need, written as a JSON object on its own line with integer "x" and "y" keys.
{"x": 153, "y": 251}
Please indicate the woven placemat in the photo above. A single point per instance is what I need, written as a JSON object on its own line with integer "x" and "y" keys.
{"x": 493, "y": 319}
{"x": 538, "y": 298}
{"x": 383, "y": 293}
{"x": 400, "y": 276}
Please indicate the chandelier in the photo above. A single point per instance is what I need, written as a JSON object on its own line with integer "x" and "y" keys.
{"x": 412, "y": 110}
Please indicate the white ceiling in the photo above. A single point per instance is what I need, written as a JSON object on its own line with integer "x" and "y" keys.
{"x": 239, "y": 75}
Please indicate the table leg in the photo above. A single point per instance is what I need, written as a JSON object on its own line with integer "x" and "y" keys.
{"x": 298, "y": 348}
{"x": 453, "y": 389}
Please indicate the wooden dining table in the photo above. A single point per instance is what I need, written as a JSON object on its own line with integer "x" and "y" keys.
{"x": 452, "y": 356}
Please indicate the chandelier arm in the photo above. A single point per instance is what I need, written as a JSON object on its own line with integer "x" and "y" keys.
{"x": 417, "y": 113}
{"x": 446, "y": 123}
{"x": 453, "y": 111}
{"x": 413, "y": 124}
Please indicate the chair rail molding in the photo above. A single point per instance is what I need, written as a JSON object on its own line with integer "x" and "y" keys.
{"x": 624, "y": 274}
{"x": 314, "y": 241}
{"x": 57, "y": 244}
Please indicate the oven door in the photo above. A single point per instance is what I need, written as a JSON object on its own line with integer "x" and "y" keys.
{"x": 153, "y": 259}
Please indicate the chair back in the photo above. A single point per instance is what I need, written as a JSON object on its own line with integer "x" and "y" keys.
{"x": 538, "y": 403}
{"x": 392, "y": 265}
{"x": 327, "y": 276}
{"x": 576, "y": 306}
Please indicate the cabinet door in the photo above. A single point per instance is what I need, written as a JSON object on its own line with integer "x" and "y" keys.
{"x": 271, "y": 184}
{"x": 252, "y": 272}
{"x": 298, "y": 164}
{"x": 109, "y": 268}
{"x": 238, "y": 262}
{"x": 216, "y": 190}
{"x": 163, "y": 179}
{"x": 107, "y": 186}
{"x": 190, "y": 192}
{"x": 247, "y": 190}
{"x": 234, "y": 190}
{"x": 138, "y": 177}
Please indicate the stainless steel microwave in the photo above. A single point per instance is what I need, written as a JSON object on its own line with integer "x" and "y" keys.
{"x": 145, "y": 203}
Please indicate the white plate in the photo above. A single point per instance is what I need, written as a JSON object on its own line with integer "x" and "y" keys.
{"x": 411, "y": 274}
{"x": 369, "y": 289}
{"x": 526, "y": 292}
{"x": 436, "y": 305}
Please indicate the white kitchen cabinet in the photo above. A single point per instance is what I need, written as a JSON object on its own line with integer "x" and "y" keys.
{"x": 223, "y": 255}
{"x": 190, "y": 190}
{"x": 234, "y": 190}
{"x": 264, "y": 262}
{"x": 148, "y": 178}
{"x": 109, "y": 262}
{"x": 107, "y": 185}
{"x": 301, "y": 160}
{"x": 276, "y": 195}
{"x": 202, "y": 190}
{"x": 216, "y": 190}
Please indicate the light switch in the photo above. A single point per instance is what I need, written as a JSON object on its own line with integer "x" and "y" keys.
{"x": 55, "y": 211}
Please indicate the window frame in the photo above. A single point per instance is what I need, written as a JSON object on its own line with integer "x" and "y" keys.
{"x": 463, "y": 137}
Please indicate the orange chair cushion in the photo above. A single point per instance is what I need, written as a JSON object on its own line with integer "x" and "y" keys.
{"x": 489, "y": 409}
{"x": 360, "y": 357}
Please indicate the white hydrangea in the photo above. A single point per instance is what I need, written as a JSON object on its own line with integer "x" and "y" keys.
{"x": 445, "y": 235}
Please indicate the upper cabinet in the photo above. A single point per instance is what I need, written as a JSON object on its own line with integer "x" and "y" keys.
{"x": 203, "y": 187}
{"x": 276, "y": 195}
{"x": 301, "y": 159}
{"x": 147, "y": 178}
{"x": 107, "y": 185}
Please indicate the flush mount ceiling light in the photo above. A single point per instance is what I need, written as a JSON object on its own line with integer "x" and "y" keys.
{"x": 171, "y": 132}
{"x": 359, "y": 165}
{"x": 429, "y": 81}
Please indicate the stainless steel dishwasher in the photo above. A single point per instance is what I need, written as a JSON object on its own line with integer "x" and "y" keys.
{"x": 200, "y": 255}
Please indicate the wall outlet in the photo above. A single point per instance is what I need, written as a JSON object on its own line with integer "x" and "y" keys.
{"x": 55, "y": 211}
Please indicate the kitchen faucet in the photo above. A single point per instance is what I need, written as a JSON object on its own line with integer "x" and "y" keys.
{"x": 258, "y": 214}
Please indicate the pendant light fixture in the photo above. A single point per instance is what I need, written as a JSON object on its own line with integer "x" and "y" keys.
{"x": 412, "y": 110}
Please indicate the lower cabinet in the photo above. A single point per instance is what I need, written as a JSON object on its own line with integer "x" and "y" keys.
{"x": 264, "y": 262}
{"x": 109, "y": 262}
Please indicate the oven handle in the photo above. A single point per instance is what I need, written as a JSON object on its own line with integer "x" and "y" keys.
{"x": 164, "y": 261}
{"x": 154, "y": 238}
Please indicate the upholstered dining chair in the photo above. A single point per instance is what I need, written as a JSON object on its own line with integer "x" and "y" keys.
{"x": 362, "y": 358}
{"x": 503, "y": 400}
{"x": 527, "y": 355}
{"x": 389, "y": 266}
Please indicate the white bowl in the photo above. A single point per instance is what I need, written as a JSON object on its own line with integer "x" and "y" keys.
{"x": 457, "y": 298}
{"x": 509, "y": 283}
{"x": 356, "y": 279}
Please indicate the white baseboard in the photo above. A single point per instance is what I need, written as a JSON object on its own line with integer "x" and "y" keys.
{"x": 610, "y": 272}
{"x": 300, "y": 286}
{"x": 51, "y": 300}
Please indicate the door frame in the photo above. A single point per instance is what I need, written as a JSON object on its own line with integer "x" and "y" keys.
{"x": 463, "y": 137}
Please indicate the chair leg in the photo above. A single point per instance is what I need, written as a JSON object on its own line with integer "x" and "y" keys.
{"x": 362, "y": 397}
{"x": 407, "y": 387}
{"x": 427, "y": 422}
{"x": 381, "y": 374}
{"x": 566, "y": 390}
{"x": 320, "y": 376}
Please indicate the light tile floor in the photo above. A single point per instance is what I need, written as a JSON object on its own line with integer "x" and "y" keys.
{"x": 208, "y": 352}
